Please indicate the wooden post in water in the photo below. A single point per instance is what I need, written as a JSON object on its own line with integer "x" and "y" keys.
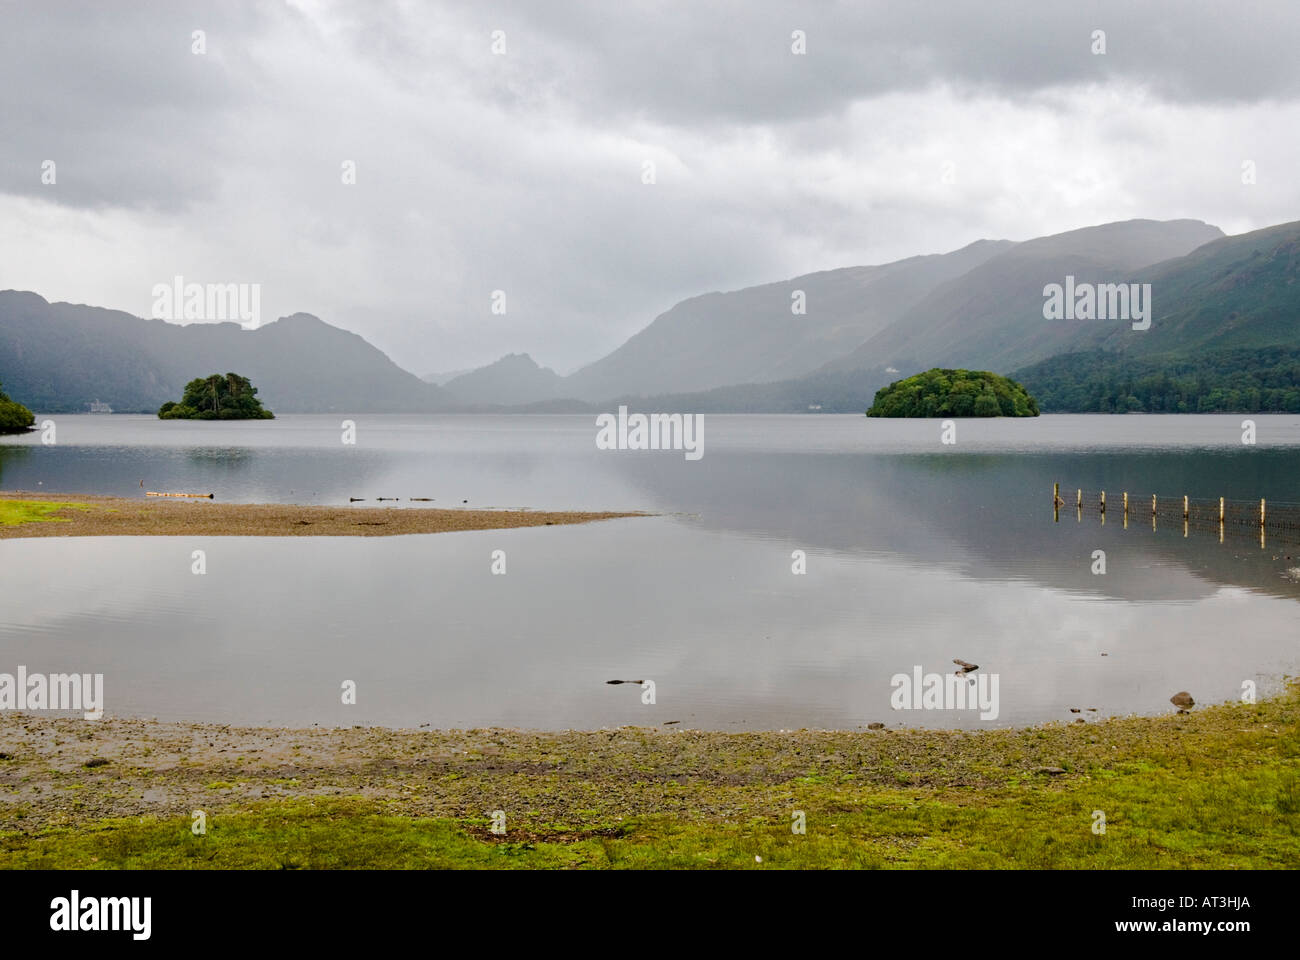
{"x": 1056, "y": 503}
{"x": 1126, "y": 503}
{"x": 1103, "y": 501}
{"x": 1153, "y": 504}
{"x": 1078, "y": 501}
{"x": 1221, "y": 510}
{"x": 1184, "y": 509}
{"x": 1261, "y": 512}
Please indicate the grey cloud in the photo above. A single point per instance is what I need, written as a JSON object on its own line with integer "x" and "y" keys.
{"x": 522, "y": 172}
{"x": 731, "y": 62}
{"x": 115, "y": 97}
{"x": 114, "y": 92}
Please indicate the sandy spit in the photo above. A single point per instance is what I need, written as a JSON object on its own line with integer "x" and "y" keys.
{"x": 126, "y": 517}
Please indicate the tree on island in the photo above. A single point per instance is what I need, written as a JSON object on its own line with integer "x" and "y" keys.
{"x": 216, "y": 397}
{"x": 954, "y": 393}
{"x": 14, "y": 417}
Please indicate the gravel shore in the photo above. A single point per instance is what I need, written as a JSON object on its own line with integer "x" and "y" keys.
{"x": 67, "y": 770}
{"x": 1216, "y": 788}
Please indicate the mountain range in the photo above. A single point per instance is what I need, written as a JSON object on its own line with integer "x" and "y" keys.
{"x": 822, "y": 341}
{"x": 992, "y": 316}
{"x": 60, "y": 356}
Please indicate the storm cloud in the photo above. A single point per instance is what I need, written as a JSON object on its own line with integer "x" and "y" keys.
{"x": 905, "y": 128}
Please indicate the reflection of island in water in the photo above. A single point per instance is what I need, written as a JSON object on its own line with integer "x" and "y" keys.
{"x": 11, "y": 455}
{"x": 912, "y": 559}
{"x": 986, "y": 516}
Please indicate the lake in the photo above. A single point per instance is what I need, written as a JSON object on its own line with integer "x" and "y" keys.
{"x": 916, "y": 553}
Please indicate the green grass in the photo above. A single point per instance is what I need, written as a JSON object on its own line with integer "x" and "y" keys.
{"x": 286, "y": 835}
{"x": 16, "y": 512}
{"x": 1153, "y": 821}
{"x": 1219, "y": 789}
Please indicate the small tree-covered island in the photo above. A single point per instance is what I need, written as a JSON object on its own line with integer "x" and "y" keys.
{"x": 954, "y": 393}
{"x": 229, "y": 397}
{"x": 14, "y": 417}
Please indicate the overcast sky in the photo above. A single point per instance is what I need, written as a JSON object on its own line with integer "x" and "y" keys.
{"x": 905, "y": 128}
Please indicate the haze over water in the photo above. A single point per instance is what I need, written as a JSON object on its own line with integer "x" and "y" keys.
{"x": 917, "y": 553}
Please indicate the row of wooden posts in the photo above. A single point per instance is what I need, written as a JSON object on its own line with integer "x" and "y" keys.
{"x": 1057, "y": 502}
{"x": 1282, "y": 527}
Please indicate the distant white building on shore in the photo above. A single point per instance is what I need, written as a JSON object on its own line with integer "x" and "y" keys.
{"x": 98, "y": 407}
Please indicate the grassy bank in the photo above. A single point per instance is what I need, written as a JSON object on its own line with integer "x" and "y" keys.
{"x": 14, "y": 513}
{"x": 1216, "y": 788}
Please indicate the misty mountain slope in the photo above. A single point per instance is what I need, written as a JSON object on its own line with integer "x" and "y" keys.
{"x": 514, "y": 379}
{"x": 439, "y": 379}
{"x": 57, "y": 357}
{"x": 991, "y": 318}
{"x": 846, "y": 391}
{"x": 751, "y": 335}
{"x": 307, "y": 365}
{"x": 1233, "y": 293}
{"x": 1224, "y": 335}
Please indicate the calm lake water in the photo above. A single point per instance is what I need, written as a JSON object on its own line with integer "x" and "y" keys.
{"x": 916, "y": 553}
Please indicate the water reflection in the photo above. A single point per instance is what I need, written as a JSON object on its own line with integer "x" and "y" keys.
{"x": 914, "y": 558}
{"x": 11, "y": 455}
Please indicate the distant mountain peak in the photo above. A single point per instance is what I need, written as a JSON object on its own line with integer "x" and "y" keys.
{"x": 20, "y": 295}
{"x": 61, "y": 356}
{"x": 516, "y": 378}
{"x": 517, "y": 360}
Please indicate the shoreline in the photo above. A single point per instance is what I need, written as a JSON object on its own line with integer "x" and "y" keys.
{"x": 91, "y": 515}
{"x": 1217, "y": 787}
